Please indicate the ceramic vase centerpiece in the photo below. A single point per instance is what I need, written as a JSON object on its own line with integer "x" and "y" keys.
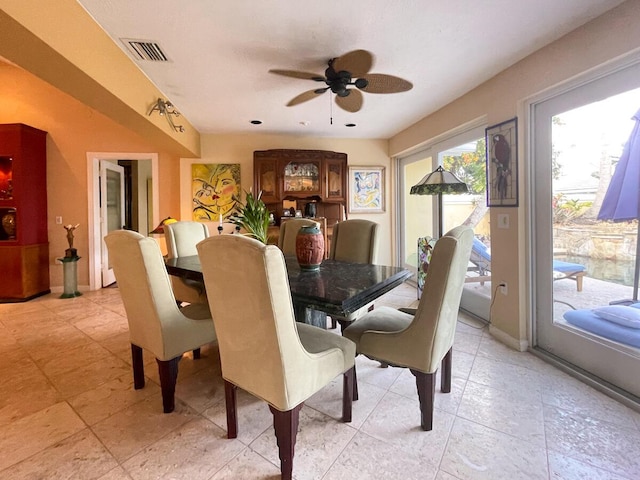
{"x": 310, "y": 247}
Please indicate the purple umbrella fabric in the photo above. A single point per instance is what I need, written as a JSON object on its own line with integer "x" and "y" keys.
{"x": 622, "y": 200}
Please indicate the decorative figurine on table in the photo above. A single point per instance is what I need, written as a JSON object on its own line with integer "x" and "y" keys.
{"x": 70, "y": 252}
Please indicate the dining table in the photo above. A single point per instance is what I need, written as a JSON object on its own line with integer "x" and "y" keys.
{"x": 336, "y": 288}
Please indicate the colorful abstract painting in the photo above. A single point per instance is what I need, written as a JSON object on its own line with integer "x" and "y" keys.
{"x": 215, "y": 189}
{"x": 366, "y": 189}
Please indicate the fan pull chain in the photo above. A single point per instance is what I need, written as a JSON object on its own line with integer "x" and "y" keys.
{"x": 330, "y": 111}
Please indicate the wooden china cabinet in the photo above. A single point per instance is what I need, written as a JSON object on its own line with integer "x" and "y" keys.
{"x": 302, "y": 176}
{"x": 24, "y": 243}
{"x": 299, "y": 177}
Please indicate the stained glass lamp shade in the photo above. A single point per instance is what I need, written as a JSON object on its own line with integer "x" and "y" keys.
{"x": 436, "y": 183}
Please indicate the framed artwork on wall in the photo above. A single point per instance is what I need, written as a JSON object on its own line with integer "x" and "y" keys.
{"x": 502, "y": 164}
{"x": 215, "y": 191}
{"x": 366, "y": 189}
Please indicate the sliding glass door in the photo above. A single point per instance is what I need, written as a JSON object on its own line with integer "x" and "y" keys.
{"x": 582, "y": 263}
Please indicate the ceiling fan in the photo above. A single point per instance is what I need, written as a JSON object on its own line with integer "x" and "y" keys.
{"x": 349, "y": 70}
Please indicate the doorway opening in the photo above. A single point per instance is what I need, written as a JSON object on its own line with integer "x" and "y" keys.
{"x": 146, "y": 199}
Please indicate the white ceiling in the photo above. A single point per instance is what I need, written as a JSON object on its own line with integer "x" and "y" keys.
{"x": 220, "y": 52}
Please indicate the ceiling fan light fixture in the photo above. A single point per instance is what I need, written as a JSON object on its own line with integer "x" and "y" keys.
{"x": 256, "y": 122}
{"x": 361, "y": 83}
{"x": 350, "y": 125}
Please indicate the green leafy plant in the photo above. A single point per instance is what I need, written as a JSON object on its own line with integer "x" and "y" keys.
{"x": 253, "y": 217}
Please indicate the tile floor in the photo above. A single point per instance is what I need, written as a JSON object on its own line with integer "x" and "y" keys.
{"x": 68, "y": 410}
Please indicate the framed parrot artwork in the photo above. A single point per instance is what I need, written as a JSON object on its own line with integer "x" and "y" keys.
{"x": 502, "y": 164}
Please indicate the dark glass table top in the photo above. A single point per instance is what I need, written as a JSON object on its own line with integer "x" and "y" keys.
{"x": 336, "y": 288}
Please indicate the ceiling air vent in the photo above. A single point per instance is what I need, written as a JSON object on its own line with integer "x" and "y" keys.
{"x": 145, "y": 50}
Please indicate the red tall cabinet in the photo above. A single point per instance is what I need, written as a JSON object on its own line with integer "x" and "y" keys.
{"x": 24, "y": 242}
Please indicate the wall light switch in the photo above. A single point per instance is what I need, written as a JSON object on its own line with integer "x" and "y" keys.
{"x": 58, "y": 220}
{"x": 503, "y": 220}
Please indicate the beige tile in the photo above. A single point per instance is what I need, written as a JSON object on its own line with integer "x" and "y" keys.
{"x": 370, "y": 371}
{"x": 319, "y": 443}
{"x": 478, "y": 452}
{"x": 248, "y": 465}
{"x": 79, "y": 456}
{"x": 195, "y": 450}
{"x": 89, "y": 376}
{"x": 110, "y": 397}
{"x": 202, "y": 390}
{"x": 367, "y": 458}
{"x": 135, "y": 428}
{"x": 29, "y": 435}
{"x": 568, "y": 393}
{"x": 254, "y": 416}
{"x": 396, "y": 420}
{"x": 53, "y": 342}
{"x": 117, "y": 473}
{"x": 73, "y": 359}
{"x": 594, "y": 442}
{"x": 103, "y": 326}
{"x": 562, "y": 467}
{"x": 466, "y": 342}
{"x": 517, "y": 415}
{"x": 405, "y": 385}
{"x": 510, "y": 378}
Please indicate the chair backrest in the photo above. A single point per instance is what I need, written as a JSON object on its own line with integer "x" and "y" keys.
{"x": 355, "y": 241}
{"x": 260, "y": 350}
{"x": 288, "y": 232}
{"x": 430, "y": 336}
{"x": 144, "y": 285}
{"x": 182, "y": 238}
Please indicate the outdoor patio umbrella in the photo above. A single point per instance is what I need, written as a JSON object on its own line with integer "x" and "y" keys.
{"x": 622, "y": 200}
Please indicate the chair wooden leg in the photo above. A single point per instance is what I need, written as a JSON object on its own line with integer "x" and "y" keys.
{"x": 231, "y": 403}
{"x": 355, "y": 384}
{"x": 168, "y": 370}
{"x": 138, "y": 367}
{"x": 347, "y": 394}
{"x": 285, "y": 425}
{"x": 334, "y": 324}
{"x": 445, "y": 373}
{"x": 196, "y": 353}
{"x": 426, "y": 384}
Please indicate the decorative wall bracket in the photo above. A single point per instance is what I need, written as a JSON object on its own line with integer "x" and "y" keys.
{"x": 167, "y": 110}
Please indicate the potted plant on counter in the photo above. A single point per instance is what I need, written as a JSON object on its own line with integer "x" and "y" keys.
{"x": 253, "y": 217}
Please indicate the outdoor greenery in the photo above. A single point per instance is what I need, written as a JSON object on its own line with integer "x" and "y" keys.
{"x": 253, "y": 217}
{"x": 470, "y": 168}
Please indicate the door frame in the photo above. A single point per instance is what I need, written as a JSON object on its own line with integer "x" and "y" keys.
{"x": 539, "y": 290}
{"x": 93, "y": 199}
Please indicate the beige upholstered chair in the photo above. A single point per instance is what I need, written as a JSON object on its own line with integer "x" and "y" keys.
{"x": 155, "y": 322}
{"x": 182, "y": 238}
{"x": 354, "y": 241}
{"x": 422, "y": 341}
{"x": 288, "y": 232}
{"x": 262, "y": 349}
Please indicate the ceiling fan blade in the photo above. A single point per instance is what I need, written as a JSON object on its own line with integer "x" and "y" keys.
{"x": 297, "y": 74}
{"x": 381, "y": 83}
{"x": 358, "y": 63}
{"x": 352, "y": 102}
{"x": 304, "y": 97}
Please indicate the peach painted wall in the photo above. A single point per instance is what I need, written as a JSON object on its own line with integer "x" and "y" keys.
{"x": 609, "y": 36}
{"x": 73, "y": 130}
{"x": 240, "y": 148}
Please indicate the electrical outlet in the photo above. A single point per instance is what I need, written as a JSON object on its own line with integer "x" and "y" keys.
{"x": 504, "y": 289}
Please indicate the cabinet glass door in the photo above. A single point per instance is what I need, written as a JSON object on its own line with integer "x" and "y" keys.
{"x": 335, "y": 180}
{"x": 302, "y": 178}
